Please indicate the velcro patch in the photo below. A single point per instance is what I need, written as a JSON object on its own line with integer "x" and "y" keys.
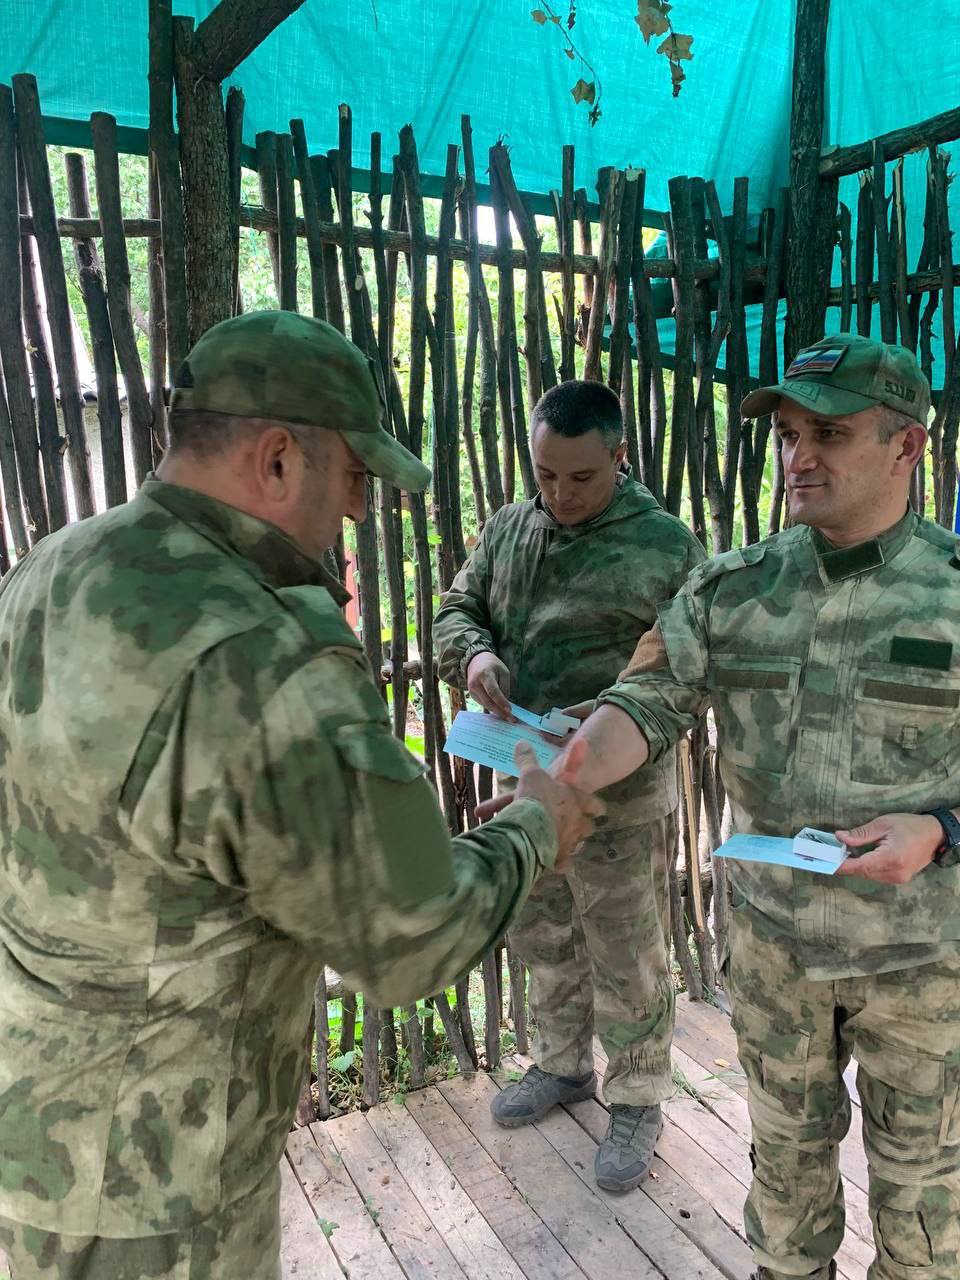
{"x": 817, "y": 360}
{"x": 911, "y": 694}
{"x": 914, "y": 652}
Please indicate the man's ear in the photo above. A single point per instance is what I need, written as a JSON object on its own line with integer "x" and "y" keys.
{"x": 274, "y": 457}
{"x": 621, "y": 453}
{"x": 912, "y": 446}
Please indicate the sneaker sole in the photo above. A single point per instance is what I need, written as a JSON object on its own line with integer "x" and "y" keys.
{"x": 517, "y": 1122}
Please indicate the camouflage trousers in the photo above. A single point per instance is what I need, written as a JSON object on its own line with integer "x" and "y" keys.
{"x": 241, "y": 1243}
{"x": 597, "y": 943}
{"x": 796, "y": 1037}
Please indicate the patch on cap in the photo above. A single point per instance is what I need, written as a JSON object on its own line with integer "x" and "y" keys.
{"x": 817, "y": 360}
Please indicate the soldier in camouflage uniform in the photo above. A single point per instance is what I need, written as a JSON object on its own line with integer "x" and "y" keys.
{"x": 200, "y": 802}
{"x": 546, "y": 612}
{"x": 830, "y": 654}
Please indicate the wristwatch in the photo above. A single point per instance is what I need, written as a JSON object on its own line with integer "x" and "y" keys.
{"x": 947, "y": 852}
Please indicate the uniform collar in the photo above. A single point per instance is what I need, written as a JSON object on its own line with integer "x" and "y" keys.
{"x": 838, "y": 563}
{"x": 267, "y": 551}
{"x": 629, "y": 498}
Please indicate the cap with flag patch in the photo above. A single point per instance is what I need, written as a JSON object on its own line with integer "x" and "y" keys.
{"x": 845, "y": 374}
{"x": 291, "y": 368}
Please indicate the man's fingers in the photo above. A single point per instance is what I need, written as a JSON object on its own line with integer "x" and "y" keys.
{"x": 487, "y": 809}
{"x": 496, "y": 701}
{"x": 581, "y": 710}
{"x": 852, "y": 867}
{"x": 524, "y": 757}
{"x": 869, "y": 833}
{"x": 572, "y": 762}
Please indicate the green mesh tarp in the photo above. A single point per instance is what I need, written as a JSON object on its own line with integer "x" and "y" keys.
{"x": 427, "y": 62}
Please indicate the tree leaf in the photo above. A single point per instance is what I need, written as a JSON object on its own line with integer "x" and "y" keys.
{"x": 652, "y": 18}
{"x": 539, "y": 17}
{"x": 677, "y": 47}
{"x": 584, "y": 91}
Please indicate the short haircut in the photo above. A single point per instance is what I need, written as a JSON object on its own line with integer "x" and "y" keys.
{"x": 206, "y": 434}
{"x": 890, "y": 421}
{"x": 575, "y": 408}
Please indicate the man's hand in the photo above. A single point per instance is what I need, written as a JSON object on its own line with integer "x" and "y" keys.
{"x": 488, "y": 680}
{"x": 573, "y": 811}
{"x": 580, "y": 710}
{"x": 905, "y": 844}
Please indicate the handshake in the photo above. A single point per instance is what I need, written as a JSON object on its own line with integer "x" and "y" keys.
{"x": 572, "y": 808}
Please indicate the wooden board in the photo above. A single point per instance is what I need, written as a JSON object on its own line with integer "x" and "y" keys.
{"x": 416, "y": 1243}
{"x": 354, "y": 1237}
{"x": 305, "y": 1252}
{"x": 694, "y": 1214}
{"x": 465, "y": 1232}
{"x": 577, "y": 1217}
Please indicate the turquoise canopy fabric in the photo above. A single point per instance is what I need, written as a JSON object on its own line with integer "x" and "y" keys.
{"x": 427, "y": 62}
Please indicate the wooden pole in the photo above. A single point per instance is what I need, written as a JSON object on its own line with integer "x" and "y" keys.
{"x": 234, "y": 124}
{"x": 165, "y": 154}
{"x": 11, "y": 490}
{"x": 94, "y": 295}
{"x": 41, "y": 365}
{"x": 158, "y": 323}
{"x": 139, "y": 409}
{"x": 287, "y": 223}
{"x": 806, "y": 133}
{"x": 311, "y": 218}
{"x": 18, "y": 401}
{"x": 33, "y": 153}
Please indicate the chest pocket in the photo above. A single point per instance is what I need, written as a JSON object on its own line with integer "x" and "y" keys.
{"x": 753, "y": 704}
{"x": 906, "y": 722}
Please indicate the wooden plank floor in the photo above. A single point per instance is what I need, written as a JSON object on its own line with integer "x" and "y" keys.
{"x": 431, "y": 1188}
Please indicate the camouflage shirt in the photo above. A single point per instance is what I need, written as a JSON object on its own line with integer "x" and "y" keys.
{"x": 200, "y": 802}
{"x": 562, "y": 607}
{"x": 834, "y": 677}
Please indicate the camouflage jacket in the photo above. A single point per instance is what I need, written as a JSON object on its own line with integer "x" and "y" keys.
{"x": 834, "y": 677}
{"x": 563, "y": 606}
{"x": 200, "y": 802}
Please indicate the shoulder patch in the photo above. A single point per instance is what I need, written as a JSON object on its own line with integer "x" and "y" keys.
{"x": 727, "y": 562}
{"x": 319, "y": 616}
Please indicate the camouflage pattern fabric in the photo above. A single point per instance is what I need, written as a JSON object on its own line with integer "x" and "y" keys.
{"x": 242, "y": 1242}
{"x": 200, "y": 803}
{"x": 597, "y": 943}
{"x": 562, "y": 607}
{"x": 834, "y": 677}
{"x": 796, "y": 1036}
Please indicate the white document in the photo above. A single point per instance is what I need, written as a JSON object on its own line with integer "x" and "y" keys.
{"x": 486, "y": 740}
{"x": 554, "y": 722}
{"x": 809, "y": 850}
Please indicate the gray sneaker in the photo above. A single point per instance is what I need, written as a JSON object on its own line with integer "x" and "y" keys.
{"x": 537, "y": 1093}
{"x": 624, "y": 1157}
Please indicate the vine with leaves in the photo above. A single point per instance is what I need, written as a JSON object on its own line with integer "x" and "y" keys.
{"x": 651, "y": 17}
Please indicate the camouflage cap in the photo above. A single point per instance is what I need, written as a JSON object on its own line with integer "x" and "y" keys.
{"x": 846, "y": 374}
{"x": 292, "y": 368}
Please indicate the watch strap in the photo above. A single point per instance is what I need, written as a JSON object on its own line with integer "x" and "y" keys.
{"x": 951, "y": 830}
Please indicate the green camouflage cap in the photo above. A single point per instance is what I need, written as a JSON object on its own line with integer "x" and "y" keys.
{"x": 292, "y": 368}
{"x": 846, "y": 374}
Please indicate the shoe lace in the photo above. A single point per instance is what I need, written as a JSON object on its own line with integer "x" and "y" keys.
{"x": 530, "y": 1081}
{"x": 624, "y": 1122}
